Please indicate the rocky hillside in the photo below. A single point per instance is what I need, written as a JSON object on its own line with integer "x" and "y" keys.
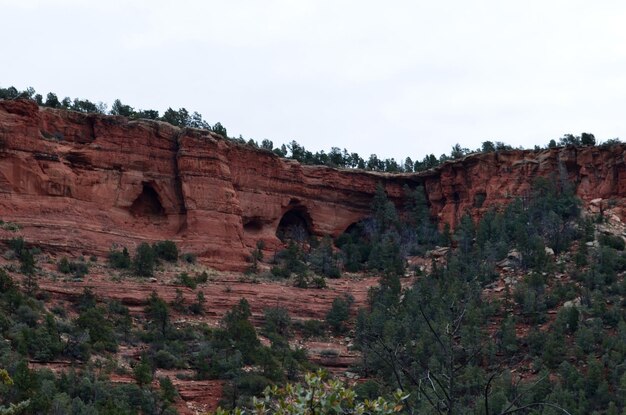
{"x": 81, "y": 182}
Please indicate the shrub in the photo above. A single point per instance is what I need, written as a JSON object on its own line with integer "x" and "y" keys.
{"x": 277, "y": 320}
{"x": 198, "y": 306}
{"x": 187, "y": 280}
{"x": 324, "y": 261}
{"x": 166, "y": 250}
{"x": 339, "y": 313}
{"x": 27, "y": 262}
{"x": 279, "y": 272}
{"x": 202, "y": 278}
{"x": 178, "y": 303}
{"x": 165, "y": 360}
{"x": 142, "y": 372}
{"x": 189, "y": 258}
{"x": 144, "y": 260}
{"x": 120, "y": 259}
{"x": 64, "y": 265}
{"x": 325, "y": 396}
{"x": 18, "y": 245}
{"x": 79, "y": 269}
{"x": 311, "y": 328}
{"x": 157, "y": 311}
{"x": 95, "y": 321}
{"x": 613, "y": 241}
{"x": 255, "y": 257}
{"x": 318, "y": 282}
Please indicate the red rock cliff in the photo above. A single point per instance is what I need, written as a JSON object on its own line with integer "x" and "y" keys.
{"x": 84, "y": 182}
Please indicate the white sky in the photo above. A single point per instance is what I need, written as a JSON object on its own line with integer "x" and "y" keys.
{"x": 395, "y": 78}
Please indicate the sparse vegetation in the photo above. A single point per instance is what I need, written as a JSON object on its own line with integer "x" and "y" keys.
{"x": 335, "y": 157}
{"x": 520, "y": 311}
{"x": 120, "y": 259}
{"x": 78, "y": 268}
{"x": 166, "y": 250}
{"x": 144, "y": 260}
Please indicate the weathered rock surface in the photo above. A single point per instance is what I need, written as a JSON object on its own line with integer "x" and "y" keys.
{"x": 85, "y": 182}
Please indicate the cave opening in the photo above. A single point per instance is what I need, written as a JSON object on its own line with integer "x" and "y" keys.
{"x": 147, "y": 204}
{"x": 356, "y": 232}
{"x": 294, "y": 225}
{"x": 355, "y": 245}
{"x": 252, "y": 225}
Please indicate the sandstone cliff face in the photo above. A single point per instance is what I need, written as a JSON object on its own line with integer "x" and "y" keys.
{"x": 85, "y": 182}
{"x": 478, "y": 182}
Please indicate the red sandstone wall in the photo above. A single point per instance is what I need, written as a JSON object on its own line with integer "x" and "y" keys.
{"x": 75, "y": 181}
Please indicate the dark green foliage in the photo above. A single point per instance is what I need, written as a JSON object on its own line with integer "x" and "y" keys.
{"x": 438, "y": 321}
{"x": 158, "y": 313}
{"x": 587, "y": 139}
{"x": 178, "y": 118}
{"x": 18, "y": 245}
{"x": 310, "y": 328}
{"x": 178, "y": 303}
{"x": 382, "y": 233}
{"x": 436, "y": 329}
{"x": 35, "y": 335}
{"x": 291, "y": 262}
{"x": 323, "y": 259}
{"x": 277, "y": 321}
{"x": 164, "y": 359}
{"x": 240, "y": 331}
{"x": 187, "y": 280}
{"x": 548, "y": 218}
{"x": 612, "y": 241}
{"x": 256, "y": 256}
{"x": 339, "y": 313}
{"x": 220, "y": 129}
{"x": 143, "y": 372}
{"x": 192, "y": 282}
{"x": 167, "y": 389}
{"x": 78, "y": 268}
{"x": 198, "y": 306}
{"x": 382, "y": 242}
{"x": 419, "y": 231}
{"x": 144, "y": 261}
{"x": 166, "y": 250}
{"x": 64, "y": 265}
{"x": 27, "y": 262}
{"x": 507, "y": 337}
{"x": 120, "y": 259}
{"x": 95, "y": 322}
{"x": 236, "y": 344}
{"x": 86, "y": 106}
{"x": 202, "y": 277}
{"x": 188, "y": 258}
{"x": 120, "y": 109}
{"x": 488, "y": 147}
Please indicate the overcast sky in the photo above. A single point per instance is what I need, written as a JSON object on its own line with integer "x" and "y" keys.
{"x": 395, "y": 78}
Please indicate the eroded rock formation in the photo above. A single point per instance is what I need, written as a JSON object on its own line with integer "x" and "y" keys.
{"x": 85, "y": 182}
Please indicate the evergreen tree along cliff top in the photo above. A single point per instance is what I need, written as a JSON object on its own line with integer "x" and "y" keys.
{"x": 335, "y": 157}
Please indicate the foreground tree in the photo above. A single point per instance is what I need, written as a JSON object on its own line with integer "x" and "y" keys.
{"x": 319, "y": 396}
{"x": 12, "y": 409}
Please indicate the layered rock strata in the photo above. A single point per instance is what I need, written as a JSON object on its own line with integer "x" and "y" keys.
{"x": 86, "y": 182}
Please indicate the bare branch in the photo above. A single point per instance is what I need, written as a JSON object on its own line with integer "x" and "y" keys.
{"x": 551, "y": 405}
{"x": 431, "y": 327}
{"x": 487, "y": 387}
{"x": 514, "y": 402}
